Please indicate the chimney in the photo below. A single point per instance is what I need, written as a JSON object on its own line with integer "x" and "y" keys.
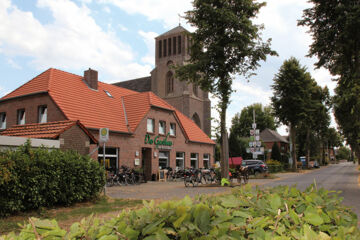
{"x": 91, "y": 78}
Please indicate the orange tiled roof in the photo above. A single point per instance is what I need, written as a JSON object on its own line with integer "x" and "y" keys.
{"x": 95, "y": 109}
{"x": 50, "y": 130}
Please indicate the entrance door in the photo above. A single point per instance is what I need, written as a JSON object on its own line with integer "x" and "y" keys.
{"x": 146, "y": 163}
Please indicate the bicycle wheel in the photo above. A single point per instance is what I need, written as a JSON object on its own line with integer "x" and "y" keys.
{"x": 194, "y": 181}
{"x": 203, "y": 179}
{"x": 187, "y": 181}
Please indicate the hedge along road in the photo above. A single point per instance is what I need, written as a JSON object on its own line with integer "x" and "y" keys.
{"x": 338, "y": 177}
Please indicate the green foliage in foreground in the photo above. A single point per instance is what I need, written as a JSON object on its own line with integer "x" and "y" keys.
{"x": 35, "y": 178}
{"x": 277, "y": 213}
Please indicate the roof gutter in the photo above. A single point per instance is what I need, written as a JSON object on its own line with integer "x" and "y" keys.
{"x": 97, "y": 129}
{"x": 26, "y": 95}
{"x": 201, "y": 142}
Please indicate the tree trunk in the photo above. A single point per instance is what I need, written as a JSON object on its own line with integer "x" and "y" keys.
{"x": 224, "y": 143}
{"x": 307, "y": 147}
{"x": 293, "y": 154}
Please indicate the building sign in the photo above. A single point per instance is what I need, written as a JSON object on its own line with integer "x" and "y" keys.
{"x": 160, "y": 143}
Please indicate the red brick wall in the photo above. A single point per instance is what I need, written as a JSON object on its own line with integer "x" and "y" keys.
{"x": 30, "y": 104}
{"x": 130, "y": 144}
{"x": 75, "y": 139}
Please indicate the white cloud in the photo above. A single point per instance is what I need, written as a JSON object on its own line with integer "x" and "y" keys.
{"x": 122, "y": 28}
{"x": 13, "y": 64}
{"x": 149, "y": 39}
{"x": 107, "y": 10}
{"x": 165, "y": 11}
{"x": 72, "y": 42}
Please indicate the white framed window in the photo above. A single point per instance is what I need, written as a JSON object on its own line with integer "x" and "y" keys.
{"x": 163, "y": 160}
{"x": 111, "y": 158}
{"x": 21, "y": 117}
{"x": 194, "y": 160}
{"x": 162, "y": 127}
{"x": 150, "y": 125}
{"x": 180, "y": 159}
{"x": 172, "y": 129}
{"x": 206, "y": 159}
{"x": 42, "y": 114}
{"x": 3, "y": 120}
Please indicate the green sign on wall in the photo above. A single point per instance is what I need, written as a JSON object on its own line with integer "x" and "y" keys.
{"x": 157, "y": 141}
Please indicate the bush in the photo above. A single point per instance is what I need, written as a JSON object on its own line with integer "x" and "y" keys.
{"x": 274, "y": 166}
{"x": 276, "y": 213}
{"x": 33, "y": 178}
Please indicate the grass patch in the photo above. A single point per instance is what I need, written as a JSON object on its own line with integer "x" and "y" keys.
{"x": 66, "y": 214}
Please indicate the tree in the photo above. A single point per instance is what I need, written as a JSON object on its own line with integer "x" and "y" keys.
{"x": 343, "y": 153}
{"x": 275, "y": 152}
{"x": 238, "y": 145}
{"x": 225, "y": 43}
{"x": 242, "y": 122}
{"x": 347, "y": 114}
{"x": 317, "y": 118}
{"x": 334, "y": 26}
{"x": 291, "y": 93}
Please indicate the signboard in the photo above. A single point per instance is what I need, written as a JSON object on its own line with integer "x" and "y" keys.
{"x": 164, "y": 143}
{"x": 104, "y": 135}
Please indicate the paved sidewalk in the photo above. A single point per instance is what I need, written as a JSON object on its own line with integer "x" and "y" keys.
{"x": 177, "y": 190}
{"x": 161, "y": 190}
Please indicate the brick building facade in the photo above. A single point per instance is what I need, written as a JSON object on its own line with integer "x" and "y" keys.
{"x": 136, "y": 121}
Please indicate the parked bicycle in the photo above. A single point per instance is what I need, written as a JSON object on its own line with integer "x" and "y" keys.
{"x": 124, "y": 176}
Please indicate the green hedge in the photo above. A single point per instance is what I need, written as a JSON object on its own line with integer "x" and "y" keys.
{"x": 275, "y": 168}
{"x": 33, "y": 178}
{"x": 277, "y": 213}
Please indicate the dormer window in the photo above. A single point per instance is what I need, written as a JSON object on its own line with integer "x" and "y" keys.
{"x": 107, "y": 93}
{"x": 21, "y": 117}
{"x": 42, "y": 114}
{"x": 2, "y": 120}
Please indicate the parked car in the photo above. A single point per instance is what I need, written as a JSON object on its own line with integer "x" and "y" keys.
{"x": 255, "y": 166}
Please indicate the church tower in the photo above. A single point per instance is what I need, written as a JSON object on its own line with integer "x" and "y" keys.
{"x": 172, "y": 48}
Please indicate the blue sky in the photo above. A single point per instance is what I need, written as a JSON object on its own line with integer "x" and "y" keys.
{"x": 116, "y": 37}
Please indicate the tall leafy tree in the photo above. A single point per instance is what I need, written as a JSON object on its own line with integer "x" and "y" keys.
{"x": 334, "y": 26}
{"x": 347, "y": 114}
{"x": 317, "y": 118}
{"x": 242, "y": 122}
{"x": 290, "y": 100}
{"x": 226, "y": 42}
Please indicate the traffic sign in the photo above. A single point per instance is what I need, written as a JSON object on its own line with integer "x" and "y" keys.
{"x": 254, "y": 125}
{"x": 104, "y": 134}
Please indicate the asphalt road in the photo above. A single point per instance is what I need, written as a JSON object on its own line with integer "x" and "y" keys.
{"x": 339, "y": 177}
